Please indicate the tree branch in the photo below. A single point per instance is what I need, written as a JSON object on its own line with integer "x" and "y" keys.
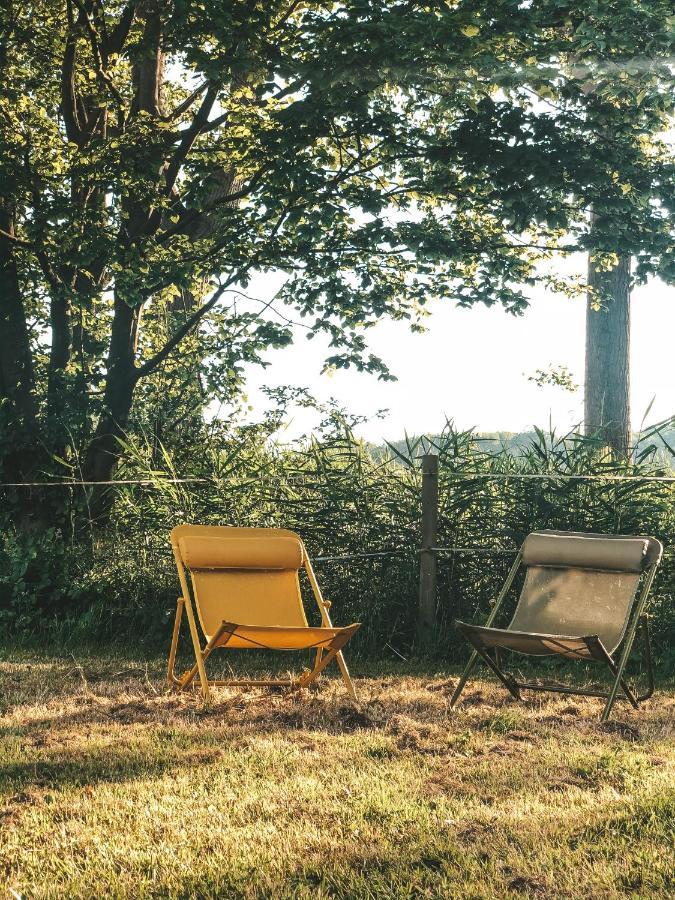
{"x": 191, "y": 134}
{"x": 100, "y": 62}
{"x": 68, "y": 96}
{"x": 186, "y": 104}
{"x": 17, "y": 241}
{"x": 120, "y": 32}
{"x": 199, "y": 314}
{"x": 193, "y": 215}
{"x": 182, "y": 332}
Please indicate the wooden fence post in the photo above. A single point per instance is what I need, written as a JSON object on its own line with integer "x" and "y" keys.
{"x": 426, "y": 609}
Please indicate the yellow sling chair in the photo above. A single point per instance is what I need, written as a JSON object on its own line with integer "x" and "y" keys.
{"x": 246, "y": 588}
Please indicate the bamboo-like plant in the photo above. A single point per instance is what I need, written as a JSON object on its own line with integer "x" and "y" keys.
{"x": 348, "y": 500}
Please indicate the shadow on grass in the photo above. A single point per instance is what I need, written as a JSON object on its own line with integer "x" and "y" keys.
{"x": 132, "y": 701}
{"x": 88, "y": 768}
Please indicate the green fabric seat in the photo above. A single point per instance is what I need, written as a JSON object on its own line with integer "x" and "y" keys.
{"x": 581, "y": 598}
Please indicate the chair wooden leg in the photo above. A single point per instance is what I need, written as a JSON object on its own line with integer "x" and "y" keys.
{"x": 199, "y": 661}
{"x": 346, "y": 677}
{"x": 332, "y": 651}
{"x": 344, "y": 671}
{"x": 307, "y": 679}
{"x": 171, "y": 668}
{"x": 323, "y": 657}
{"x": 317, "y": 656}
{"x": 203, "y": 655}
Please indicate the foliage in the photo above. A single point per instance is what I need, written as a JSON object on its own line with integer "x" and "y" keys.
{"x": 155, "y": 156}
{"x": 33, "y": 578}
{"x": 558, "y": 376}
{"x": 345, "y": 499}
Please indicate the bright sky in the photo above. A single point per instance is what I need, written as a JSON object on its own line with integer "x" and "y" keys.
{"x": 472, "y": 365}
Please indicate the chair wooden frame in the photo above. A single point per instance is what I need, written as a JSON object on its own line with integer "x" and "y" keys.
{"x": 596, "y": 651}
{"x": 325, "y": 654}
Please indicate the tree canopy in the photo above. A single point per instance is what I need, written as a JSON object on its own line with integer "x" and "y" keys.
{"x": 155, "y": 155}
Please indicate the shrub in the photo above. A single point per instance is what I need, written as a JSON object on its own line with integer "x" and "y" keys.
{"x": 346, "y": 499}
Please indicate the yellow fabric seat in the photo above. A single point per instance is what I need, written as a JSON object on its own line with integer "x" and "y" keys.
{"x": 245, "y": 587}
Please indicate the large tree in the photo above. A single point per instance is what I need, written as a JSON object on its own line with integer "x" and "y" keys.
{"x": 156, "y": 154}
{"x": 607, "y": 364}
{"x": 631, "y": 95}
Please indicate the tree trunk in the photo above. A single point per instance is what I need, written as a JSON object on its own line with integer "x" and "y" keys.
{"x": 16, "y": 366}
{"x": 607, "y": 389}
{"x": 104, "y": 449}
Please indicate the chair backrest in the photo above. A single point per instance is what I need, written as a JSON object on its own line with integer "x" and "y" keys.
{"x": 582, "y": 584}
{"x": 243, "y": 575}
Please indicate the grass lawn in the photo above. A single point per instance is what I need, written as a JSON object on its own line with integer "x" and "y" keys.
{"x": 110, "y": 787}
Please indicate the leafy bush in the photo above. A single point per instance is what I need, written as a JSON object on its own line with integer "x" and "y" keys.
{"x": 346, "y": 499}
{"x": 33, "y": 578}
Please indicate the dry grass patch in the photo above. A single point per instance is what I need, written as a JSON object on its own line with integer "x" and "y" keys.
{"x": 109, "y": 786}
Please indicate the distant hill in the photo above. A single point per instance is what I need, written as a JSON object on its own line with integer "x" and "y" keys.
{"x": 660, "y": 442}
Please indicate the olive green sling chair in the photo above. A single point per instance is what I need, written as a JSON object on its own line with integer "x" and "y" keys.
{"x": 246, "y": 591}
{"x": 581, "y": 598}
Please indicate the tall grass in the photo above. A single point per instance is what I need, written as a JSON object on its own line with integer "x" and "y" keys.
{"x": 345, "y": 498}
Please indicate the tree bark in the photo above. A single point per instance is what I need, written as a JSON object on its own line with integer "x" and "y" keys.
{"x": 607, "y": 386}
{"x": 16, "y": 365}
{"x": 122, "y": 374}
{"x": 104, "y": 449}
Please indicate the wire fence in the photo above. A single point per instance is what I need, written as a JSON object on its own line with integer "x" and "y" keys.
{"x": 157, "y": 483}
{"x": 365, "y": 532}
{"x": 463, "y": 476}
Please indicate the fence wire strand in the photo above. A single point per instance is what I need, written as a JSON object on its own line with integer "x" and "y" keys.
{"x": 300, "y": 480}
{"x": 307, "y": 483}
